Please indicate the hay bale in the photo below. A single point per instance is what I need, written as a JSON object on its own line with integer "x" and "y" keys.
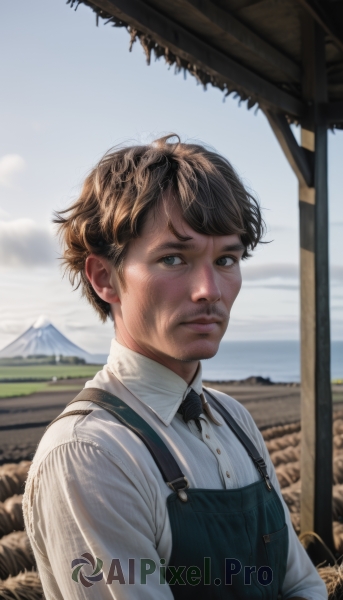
{"x": 11, "y": 515}
{"x": 25, "y": 586}
{"x": 333, "y": 578}
{"x": 279, "y": 443}
{"x": 338, "y": 469}
{"x": 288, "y": 473}
{"x": 280, "y": 430}
{"x": 15, "y": 554}
{"x": 337, "y": 502}
{"x": 338, "y": 441}
{"x": 338, "y": 536}
{"x": 337, "y": 425}
{"x": 12, "y": 478}
{"x": 287, "y": 455}
{"x": 336, "y": 451}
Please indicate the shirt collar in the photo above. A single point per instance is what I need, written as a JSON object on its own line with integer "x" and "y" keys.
{"x": 152, "y": 383}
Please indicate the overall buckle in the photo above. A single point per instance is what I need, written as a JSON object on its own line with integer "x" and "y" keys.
{"x": 262, "y": 469}
{"x": 176, "y": 486}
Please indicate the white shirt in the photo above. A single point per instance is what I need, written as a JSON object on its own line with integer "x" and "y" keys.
{"x": 94, "y": 487}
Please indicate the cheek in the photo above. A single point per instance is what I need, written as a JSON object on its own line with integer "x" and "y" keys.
{"x": 232, "y": 287}
{"x": 144, "y": 291}
{"x": 238, "y": 282}
{"x": 165, "y": 295}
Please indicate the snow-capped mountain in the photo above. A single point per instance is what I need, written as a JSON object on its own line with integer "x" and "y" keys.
{"x": 43, "y": 338}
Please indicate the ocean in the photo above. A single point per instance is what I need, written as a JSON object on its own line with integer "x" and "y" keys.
{"x": 278, "y": 360}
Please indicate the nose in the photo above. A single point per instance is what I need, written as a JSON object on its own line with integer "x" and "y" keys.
{"x": 204, "y": 285}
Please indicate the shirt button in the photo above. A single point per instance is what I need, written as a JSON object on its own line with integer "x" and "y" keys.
{"x": 227, "y": 474}
{"x": 208, "y": 437}
{"x": 218, "y": 451}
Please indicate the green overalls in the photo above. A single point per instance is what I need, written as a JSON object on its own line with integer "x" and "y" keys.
{"x": 225, "y": 543}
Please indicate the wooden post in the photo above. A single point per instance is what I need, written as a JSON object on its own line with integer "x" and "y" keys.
{"x": 316, "y": 400}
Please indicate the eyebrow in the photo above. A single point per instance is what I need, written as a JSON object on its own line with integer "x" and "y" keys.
{"x": 189, "y": 246}
{"x": 233, "y": 248}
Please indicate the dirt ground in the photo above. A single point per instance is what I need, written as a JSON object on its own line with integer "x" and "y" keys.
{"x": 23, "y": 420}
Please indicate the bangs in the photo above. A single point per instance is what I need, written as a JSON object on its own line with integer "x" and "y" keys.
{"x": 213, "y": 201}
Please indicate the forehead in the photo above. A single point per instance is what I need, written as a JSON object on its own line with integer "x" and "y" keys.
{"x": 167, "y": 224}
{"x": 163, "y": 219}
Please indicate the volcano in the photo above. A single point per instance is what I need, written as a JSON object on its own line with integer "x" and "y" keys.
{"x": 42, "y": 338}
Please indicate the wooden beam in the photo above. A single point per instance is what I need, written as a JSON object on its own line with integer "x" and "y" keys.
{"x": 334, "y": 113}
{"x": 324, "y": 435}
{"x": 316, "y": 397}
{"x": 195, "y": 51}
{"x": 324, "y": 19}
{"x": 241, "y": 34}
{"x": 297, "y": 156}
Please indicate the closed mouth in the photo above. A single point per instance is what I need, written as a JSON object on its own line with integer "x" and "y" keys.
{"x": 201, "y": 322}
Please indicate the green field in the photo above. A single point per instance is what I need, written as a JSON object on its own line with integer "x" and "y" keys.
{"x": 11, "y": 390}
{"x": 47, "y": 372}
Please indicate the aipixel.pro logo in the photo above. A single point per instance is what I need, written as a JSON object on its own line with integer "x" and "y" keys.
{"x": 87, "y": 559}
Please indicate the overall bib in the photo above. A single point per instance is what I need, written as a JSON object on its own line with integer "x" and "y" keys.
{"x": 229, "y": 544}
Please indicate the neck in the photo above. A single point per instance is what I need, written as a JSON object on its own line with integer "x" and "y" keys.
{"x": 185, "y": 370}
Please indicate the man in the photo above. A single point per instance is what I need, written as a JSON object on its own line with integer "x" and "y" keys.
{"x": 146, "y": 469}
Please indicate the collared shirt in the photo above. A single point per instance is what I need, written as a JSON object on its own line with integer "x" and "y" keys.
{"x": 93, "y": 486}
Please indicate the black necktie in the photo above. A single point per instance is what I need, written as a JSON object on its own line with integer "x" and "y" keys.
{"x": 191, "y": 408}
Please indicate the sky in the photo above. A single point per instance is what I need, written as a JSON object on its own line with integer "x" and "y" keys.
{"x": 69, "y": 92}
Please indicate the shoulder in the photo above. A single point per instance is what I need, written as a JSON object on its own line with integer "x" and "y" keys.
{"x": 62, "y": 432}
{"x": 81, "y": 470}
{"x": 96, "y": 427}
{"x": 93, "y": 448}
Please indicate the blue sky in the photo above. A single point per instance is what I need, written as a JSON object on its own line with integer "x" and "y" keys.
{"x": 70, "y": 91}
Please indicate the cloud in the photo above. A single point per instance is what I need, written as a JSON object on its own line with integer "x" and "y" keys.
{"x": 336, "y": 273}
{"x": 262, "y": 327}
{"x": 270, "y": 271}
{"x": 25, "y": 243}
{"x": 11, "y": 327}
{"x": 4, "y": 214}
{"x": 280, "y": 229}
{"x": 10, "y": 166}
{"x": 285, "y": 272}
{"x": 280, "y": 286}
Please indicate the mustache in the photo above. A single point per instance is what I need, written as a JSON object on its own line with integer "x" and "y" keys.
{"x": 209, "y": 311}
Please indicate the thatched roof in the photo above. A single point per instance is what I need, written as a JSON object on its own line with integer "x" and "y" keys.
{"x": 251, "y": 48}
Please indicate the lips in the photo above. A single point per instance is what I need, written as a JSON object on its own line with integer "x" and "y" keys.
{"x": 202, "y": 325}
{"x": 205, "y": 321}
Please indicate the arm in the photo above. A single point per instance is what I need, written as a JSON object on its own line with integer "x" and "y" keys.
{"x": 82, "y": 501}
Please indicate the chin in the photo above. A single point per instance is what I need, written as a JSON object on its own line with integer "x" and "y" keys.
{"x": 200, "y": 350}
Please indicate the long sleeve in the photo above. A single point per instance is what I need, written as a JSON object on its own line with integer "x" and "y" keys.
{"x": 81, "y": 501}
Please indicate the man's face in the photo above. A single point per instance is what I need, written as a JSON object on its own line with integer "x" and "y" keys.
{"x": 178, "y": 294}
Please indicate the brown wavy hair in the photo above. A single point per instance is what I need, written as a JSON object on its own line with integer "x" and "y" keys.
{"x": 129, "y": 182}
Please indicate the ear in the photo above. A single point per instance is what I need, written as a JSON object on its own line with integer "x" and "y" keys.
{"x": 100, "y": 274}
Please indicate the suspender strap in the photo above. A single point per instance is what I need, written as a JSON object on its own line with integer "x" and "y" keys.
{"x": 71, "y": 412}
{"x": 162, "y": 456}
{"x": 243, "y": 438}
